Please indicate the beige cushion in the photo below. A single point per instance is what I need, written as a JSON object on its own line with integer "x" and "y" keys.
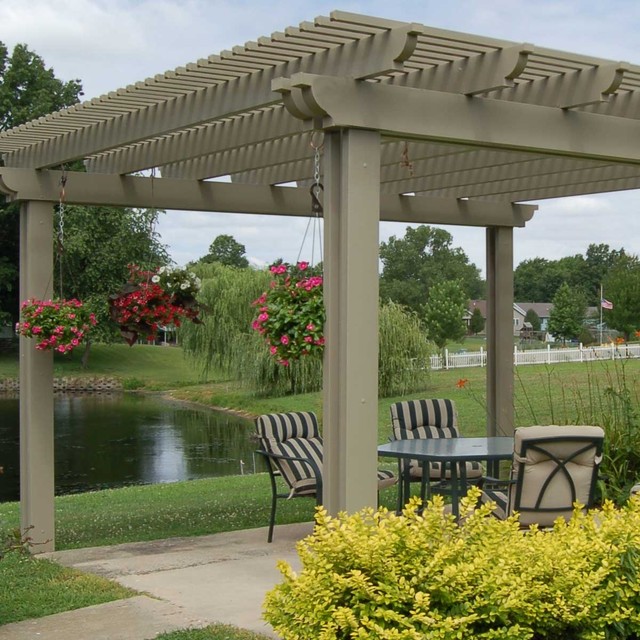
{"x": 549, "y": 483}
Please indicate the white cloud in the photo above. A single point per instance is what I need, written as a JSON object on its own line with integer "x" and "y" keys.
{"x": 109, "y": 44}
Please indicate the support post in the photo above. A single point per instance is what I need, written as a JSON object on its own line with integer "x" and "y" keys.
{"x": 36, "y": 382}
{"x": 350, "y": 414}
{"x": 500, "y": 412}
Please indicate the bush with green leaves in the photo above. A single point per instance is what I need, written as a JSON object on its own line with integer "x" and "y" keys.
{"x": 416, "y": 576}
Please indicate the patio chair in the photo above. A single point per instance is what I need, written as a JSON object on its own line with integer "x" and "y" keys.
{"x": 433, "y": 418}
{"x": 553, "y": 468}
{"x": 292, "y": 447}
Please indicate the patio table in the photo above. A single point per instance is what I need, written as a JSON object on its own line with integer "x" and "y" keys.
{"x": 452, "y": 452}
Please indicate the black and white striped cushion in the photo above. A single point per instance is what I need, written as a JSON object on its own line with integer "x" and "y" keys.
{"x": 424, "y": 419}
{"x": 296, "y": 435}
{"x": 429, "y": 418}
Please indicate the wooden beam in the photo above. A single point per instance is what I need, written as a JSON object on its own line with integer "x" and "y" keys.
{"x": 165, "y": 193}
{"x": 434, "y": 115}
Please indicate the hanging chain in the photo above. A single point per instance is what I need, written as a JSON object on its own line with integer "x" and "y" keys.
{"x": 404, "y": 159}
{"x": 63, "y": 182}
{"x": 316, "y": 205}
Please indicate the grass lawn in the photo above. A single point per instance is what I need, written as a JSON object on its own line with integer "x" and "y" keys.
{"x": 141, "y": 366}
{"x": 32, "y": 588}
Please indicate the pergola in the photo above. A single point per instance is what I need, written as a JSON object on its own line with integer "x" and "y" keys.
{"x": 419, "y": 125}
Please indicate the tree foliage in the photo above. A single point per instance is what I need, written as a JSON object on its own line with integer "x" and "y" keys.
{"x": 28, "y": 90}
{"x": 404, "y": 352}
{"x": 533, "y": 319}
{"x": 413, "y": 264}
{"x": 477, "y": 322}
{"x": 444, "y": 312}
{"x": 227, "y": 295}
{"x": 226, "y": 250}
{"x": 538, "y": 279}
{"x": 567, "y": 316}
{"x": 622, "y": 287}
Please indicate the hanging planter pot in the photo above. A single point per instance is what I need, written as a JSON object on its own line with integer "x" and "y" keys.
{"x": 290, "y": 315}
{"x": 56, "y": 325}
{"x": 151, "y": 299}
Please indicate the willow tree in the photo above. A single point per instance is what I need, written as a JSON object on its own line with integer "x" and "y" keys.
{"x": 226, "y": 296}
{"x": 404, "y": 352}
{"x": 226, "y": 342}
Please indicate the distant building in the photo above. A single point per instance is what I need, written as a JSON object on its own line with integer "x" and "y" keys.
{"x": 543, "y": 309}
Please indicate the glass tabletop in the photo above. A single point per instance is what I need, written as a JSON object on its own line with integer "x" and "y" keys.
{"x": 451, "y": 449}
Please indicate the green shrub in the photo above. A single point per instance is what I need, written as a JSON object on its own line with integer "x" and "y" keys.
{"x": 378, "y": 575}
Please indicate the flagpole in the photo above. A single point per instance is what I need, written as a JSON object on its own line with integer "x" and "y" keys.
{"x": 601, "y": 299}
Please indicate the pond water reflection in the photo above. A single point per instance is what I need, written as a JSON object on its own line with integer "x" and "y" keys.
{"x": 113, "y": 440}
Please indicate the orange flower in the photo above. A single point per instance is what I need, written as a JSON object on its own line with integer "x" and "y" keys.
{"x": 462, "y": 383}
{"x": 619, "y": 340}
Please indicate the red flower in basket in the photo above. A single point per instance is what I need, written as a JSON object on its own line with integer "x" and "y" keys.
{"x": 152, "y": 299}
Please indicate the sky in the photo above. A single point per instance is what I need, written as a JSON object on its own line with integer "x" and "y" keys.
{"x": 110, "y": 44}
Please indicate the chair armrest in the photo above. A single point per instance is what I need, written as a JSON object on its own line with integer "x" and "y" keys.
{"x": 495, "y": 483}
{"x": 309, "y": 462}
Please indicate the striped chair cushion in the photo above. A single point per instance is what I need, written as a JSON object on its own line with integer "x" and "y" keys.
{"x": 295, "y": 435}
{"x": 386, "y": 479}
{"x": 424, "y": 419}
{"x": 421, "y": 419}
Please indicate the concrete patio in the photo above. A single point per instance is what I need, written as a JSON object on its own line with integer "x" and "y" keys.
{"x": 183, "y": 582}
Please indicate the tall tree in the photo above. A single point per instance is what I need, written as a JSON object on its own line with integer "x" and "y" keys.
{"x": 567, "y": 315}
{"x": 425, "y": 256}
{"x": 599, "y": 259}
{"x": 226, "y": 250}
{"x": 533, "y": 319}
{"x": 537, "y": 279}
{"x": 28, "y": 90}
{"x": 477, "y": 322}
{"x": 622, "y": 287}
{"x": 444, "y": 312}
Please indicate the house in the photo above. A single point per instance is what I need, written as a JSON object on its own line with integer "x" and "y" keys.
{"x": 543, "y": 309}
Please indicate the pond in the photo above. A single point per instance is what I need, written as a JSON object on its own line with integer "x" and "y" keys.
{"x": 113, "y": 440}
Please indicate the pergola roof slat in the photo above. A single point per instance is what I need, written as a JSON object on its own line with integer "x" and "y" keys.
{"x": 210, "y": 117}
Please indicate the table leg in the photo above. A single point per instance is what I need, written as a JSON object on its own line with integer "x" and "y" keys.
{"x": 455, "y": 509}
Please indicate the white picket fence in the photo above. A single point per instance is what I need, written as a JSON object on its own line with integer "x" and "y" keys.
{"x": 538, "y": 356}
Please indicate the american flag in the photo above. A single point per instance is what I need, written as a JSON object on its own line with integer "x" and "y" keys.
{"x": 605, "y": 304}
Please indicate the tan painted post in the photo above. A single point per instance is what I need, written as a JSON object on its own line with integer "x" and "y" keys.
{"x": 350, "y": 415}
{"x": 36, "y": 382}
{"x": 500, "y": 412}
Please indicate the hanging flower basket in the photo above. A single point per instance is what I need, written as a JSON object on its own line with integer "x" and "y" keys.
{"x": 57, "y": 325}
{"x": 290, "y": 315}
{"x": 151, "y": 299}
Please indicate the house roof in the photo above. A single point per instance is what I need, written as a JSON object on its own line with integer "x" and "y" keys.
{"x": 553, "y": 123}
{"x": 543, "y": 309}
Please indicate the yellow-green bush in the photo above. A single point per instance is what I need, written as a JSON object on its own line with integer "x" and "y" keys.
{"x": 422, "y": 577}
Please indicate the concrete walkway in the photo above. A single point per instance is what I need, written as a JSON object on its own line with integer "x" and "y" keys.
{"x": 184, "y": 582}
